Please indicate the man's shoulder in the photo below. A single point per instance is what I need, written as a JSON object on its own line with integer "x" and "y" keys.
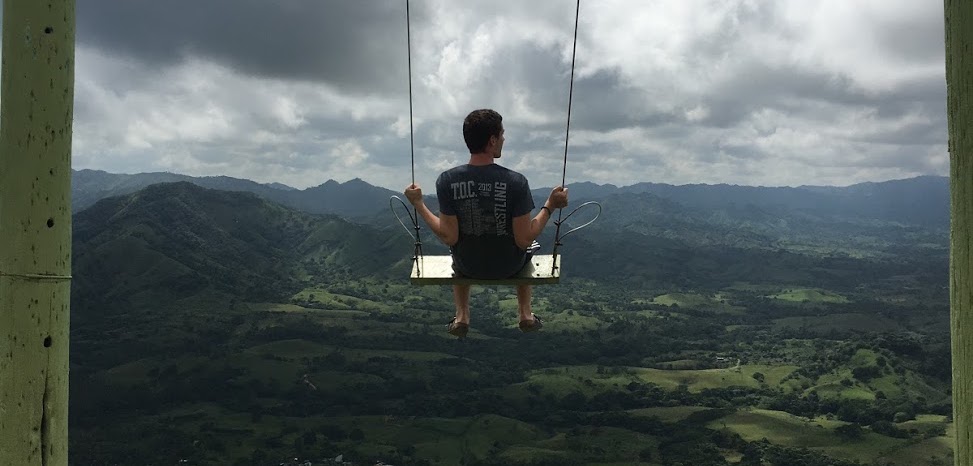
{"x": 513, "y": 175}
{"x": 457, "y": 170}
{"x": 495, "y": 171}
{"x": 451, "y": 173}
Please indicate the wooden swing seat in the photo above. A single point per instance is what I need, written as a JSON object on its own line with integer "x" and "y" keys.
{"x": 438, "y": 270}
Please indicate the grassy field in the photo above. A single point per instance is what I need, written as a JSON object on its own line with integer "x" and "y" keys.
{"x": 668, "y": 413}
{"x": 587, "y": 380}
{"x": 788, "y": 430}
{"x": 442, "y": 441}
{"x": 299, "y": 349}
{"x": 809, "y": 295}
{"x": 697, "y": 380}
{"x": 894, "y": 385}
{"x": 779, "y": 428}
{"x": 715, "y": 302}
{"x": 908, "y": 384}
{"x": 818, "y": 434}
{"x": 930, "y": 452}
{"x": 603, "y": 443}
{"x": 677, "y": 364}
{"x": 330, "y": 300}
{"x": 278, "y": 372}
{"x": 837, "y": 323}
{"x": 450, "y": 441}
{"x": 837, "y": 390}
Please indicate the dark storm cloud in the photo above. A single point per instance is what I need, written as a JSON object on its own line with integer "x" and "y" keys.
{"x": 740, "y": 91}
{"x": 354, "y": 45}
{"x": 602, "y": 102}
{"x": 814, "y": 96}
{"x": 735, "y": 98}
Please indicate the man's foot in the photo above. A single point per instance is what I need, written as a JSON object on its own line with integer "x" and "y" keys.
{"x": 531, "y": 325}
{"x": 458, "y": 329}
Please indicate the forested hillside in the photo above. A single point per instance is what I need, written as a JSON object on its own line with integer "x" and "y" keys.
{"x": 213, "y": 327}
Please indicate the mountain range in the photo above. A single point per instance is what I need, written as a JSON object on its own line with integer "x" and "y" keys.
{"x": 244, "y": 240}
{"x": 920, "y": 201}
{"x": 207, "y": 321}
{"x": 354, "y": 198}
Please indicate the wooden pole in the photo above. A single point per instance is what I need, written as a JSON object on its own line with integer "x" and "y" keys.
{"x": 959, "y": 104}
{"x": 36, "y": 110}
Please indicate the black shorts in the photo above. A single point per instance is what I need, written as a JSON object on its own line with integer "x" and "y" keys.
{"x": 534, "y": 247}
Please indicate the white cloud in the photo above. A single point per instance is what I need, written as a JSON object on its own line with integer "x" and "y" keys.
{"x": 754, "y": 92}
{"x": 349, "y": 154}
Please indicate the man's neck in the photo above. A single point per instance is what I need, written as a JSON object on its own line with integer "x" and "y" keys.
{"x": 481, "y": 158}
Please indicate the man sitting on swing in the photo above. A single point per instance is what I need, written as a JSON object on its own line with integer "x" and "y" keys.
{"x": 485, "y": 218}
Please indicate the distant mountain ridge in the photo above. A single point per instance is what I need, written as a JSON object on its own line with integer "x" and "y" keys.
{"x": 920, "y": 201}
{"x": 351, "y": 199}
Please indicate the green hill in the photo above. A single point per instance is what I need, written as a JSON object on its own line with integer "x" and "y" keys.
{"x": 353, "y": 198}
{"x": 173, "y": 241}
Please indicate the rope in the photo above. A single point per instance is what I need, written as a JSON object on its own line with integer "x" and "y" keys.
{"x": 589, "y": 222}
{"x": 417, "y": 251}
{"x": 567, "y": 134}
{"x": 410, "y": 214}
{"x": 408, "y": 41}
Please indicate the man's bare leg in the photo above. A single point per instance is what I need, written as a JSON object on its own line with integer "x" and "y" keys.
{"x": 523, "y": 303}
{"x": 461, "y": 297}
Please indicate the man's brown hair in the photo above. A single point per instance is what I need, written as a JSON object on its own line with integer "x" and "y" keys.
{"x": 478, "y": 126}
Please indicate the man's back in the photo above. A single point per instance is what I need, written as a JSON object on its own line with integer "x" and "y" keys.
{"x": 485, "y": 199}
{"x": 485, "y": 217}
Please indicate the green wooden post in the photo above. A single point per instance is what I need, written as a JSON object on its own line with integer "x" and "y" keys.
{"x": 959, "y": 104}
{"x": 36, "y": 110}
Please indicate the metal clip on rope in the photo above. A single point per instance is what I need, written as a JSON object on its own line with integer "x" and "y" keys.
{"x": 417, "y": 252}
{"x": 558, "y": 236}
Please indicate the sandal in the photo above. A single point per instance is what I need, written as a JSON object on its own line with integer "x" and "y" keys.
{"x": 531, "y": 325}
{"x": 458, "y": 329}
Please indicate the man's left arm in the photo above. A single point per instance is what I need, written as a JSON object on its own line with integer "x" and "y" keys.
{"x": 527, "y": 229}
{"x": 445, "y": 227}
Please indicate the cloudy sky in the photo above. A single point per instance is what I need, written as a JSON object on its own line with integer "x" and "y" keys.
{"x": 752, "y": 92}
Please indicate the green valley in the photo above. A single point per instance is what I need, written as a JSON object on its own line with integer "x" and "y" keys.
{"x": 217, "y": 328}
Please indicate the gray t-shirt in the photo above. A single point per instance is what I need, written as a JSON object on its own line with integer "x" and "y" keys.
{"x": 485, "y": 198}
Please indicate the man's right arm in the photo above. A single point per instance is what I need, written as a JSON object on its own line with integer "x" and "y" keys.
{"x": 445, "y": 227}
